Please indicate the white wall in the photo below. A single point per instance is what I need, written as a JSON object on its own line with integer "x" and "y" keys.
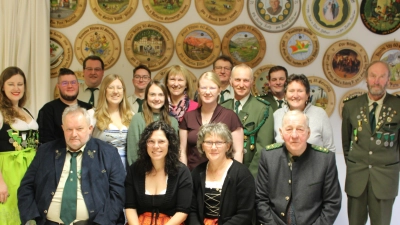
{"x": 359, "y": 33}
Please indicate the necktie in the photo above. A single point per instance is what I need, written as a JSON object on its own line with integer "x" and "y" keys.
{"x": 237, "y": 103}
{"x": 69, "y": 196}
{"x": 91, "y": 100}
{"x": 372, "y": 122}
{"x": 140, "y": 102}
{"x": 222, "y": 98}
{"x": 280, "y": 104}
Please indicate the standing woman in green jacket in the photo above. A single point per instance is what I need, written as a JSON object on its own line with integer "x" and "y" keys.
{"x": 155, "y": 107}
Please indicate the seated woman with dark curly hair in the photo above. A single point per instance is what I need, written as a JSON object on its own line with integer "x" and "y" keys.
{"x": 223, "y": 188}
{"x": 158, "y": 186}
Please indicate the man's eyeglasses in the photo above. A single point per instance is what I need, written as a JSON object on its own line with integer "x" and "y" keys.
{"x": 218, "y": 144}
{"x": 97, "y": 69}
{"x": 221, "y": 67}
{"x": 137, "y": 77}
{"x": 65, "y": 83}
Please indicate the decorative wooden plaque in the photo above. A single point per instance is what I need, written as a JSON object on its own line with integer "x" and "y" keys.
{"x": 166, "y": 11}
{"x": 61, "y": 53}
{"x": 344, "y": 63}
{"x": 322, "y": 94}
{"x": 198, "y": 45}
{"x": 114, "y": 11}
{"x": 219, "y": 12}
{"x": 66, "y": 13}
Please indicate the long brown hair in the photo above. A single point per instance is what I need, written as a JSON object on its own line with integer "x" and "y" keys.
{"x": 147, "y": 112}
{"x": 6, "y": 106}
{"x": 101, "y": 114}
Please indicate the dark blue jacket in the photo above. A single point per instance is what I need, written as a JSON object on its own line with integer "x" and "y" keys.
{"x": 102, "y": 182}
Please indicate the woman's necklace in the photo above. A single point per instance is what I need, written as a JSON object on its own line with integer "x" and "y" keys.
{"x": 205, "y": 118}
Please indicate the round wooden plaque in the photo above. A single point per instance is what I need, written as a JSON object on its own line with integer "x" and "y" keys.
{"x": 244, "y": 44}
{"x": 299, "y": 46}
{"x": 271, "y": 18}
{"x": 66, "y": 13}
{"x": 61, "y": 53}
{"x": 322, "y": 94}
{"x": 330, "y": 18}
{"x": 198, "y": 45}
{"x": 98, "y": 40}
{"x": 113, "y": 11}
{"x": 344, "y": 63}
{"x": 166, "y": 11}
{"x": 219, "y": 12}
{"x": 380, "y": 17}
{"x": 149, "y": 43}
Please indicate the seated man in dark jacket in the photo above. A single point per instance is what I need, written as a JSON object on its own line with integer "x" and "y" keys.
{"x": 79, "y": 179}
{"x": 297, "y": 183}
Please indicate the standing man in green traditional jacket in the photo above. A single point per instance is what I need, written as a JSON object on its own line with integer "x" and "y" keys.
{"x": 255, "y": 114}
{"x": 370, "y": 136}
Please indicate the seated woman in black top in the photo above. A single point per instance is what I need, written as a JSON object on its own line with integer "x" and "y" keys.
{"x": 223, "y": 188}
{"x": 158, "y": 186}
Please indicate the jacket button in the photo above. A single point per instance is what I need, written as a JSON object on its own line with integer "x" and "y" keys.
{"x": 287, "y": 198}
{"x": 282, "y": 214}
{"x": 290, "y": 181}
{"x": 370, "y": 166}
{"x": 52, "y": 193}
{"x": 370, "y": 152}
{"x": 45, "y": 211}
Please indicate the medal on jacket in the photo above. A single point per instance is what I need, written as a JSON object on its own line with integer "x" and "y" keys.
{"x": 360, "y": 125}
{"x": 378, "y": 136}
{"x": 355, "y": 135}
{"x": 391, "y": 140}
{"x": 386, "y": 137}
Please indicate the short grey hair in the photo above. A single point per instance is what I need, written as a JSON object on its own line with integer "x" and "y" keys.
{"x": 219, "y": 129}
{"x": 243, "y": 66}
{"x": 295, "y": 113}
{"x": 75, "y": 109}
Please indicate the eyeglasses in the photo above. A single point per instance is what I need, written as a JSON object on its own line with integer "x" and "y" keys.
{"x": 218, "y": 144}
{"x": 137, "y": 77}
{"x": 97, "y": 69}
{"x": 221, "y": 67}
{"x": 152, "y": 143}
{"x": 65, "y": 83}
{"x": 204, "y": 89}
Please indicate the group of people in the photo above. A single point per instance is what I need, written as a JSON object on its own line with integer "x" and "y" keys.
{"x": 209, "y": 153}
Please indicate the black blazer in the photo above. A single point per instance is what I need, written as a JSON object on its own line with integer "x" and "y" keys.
{"x": 237, "y": 196}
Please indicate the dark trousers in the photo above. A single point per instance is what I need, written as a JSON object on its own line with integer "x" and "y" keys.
{"x": 379, "y": 210}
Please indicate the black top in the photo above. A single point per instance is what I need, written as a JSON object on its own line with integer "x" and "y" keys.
{"x": 176, "y": 199}
{"x": 50, "y": 119}
{"x": 24, "y": 138}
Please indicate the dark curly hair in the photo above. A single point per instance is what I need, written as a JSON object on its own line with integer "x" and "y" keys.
{"x": 143, "y": 163}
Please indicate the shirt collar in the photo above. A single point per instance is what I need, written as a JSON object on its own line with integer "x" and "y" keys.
{"x": 243, "y": 100}
{"x": 81, "y": 149}
{"x": 380, "y": 101}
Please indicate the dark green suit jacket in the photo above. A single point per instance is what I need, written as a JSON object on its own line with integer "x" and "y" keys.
{"x": 270, "y": 98}
{"x": 254, "y": 112}
{"x": 367, "y": 159}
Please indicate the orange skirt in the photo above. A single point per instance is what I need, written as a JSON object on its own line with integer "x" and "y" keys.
{"x": 208, "y": 221}
{"x": 146, "y": 219}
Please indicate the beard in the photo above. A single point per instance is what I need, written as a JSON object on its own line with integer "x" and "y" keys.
{"x": 377, "y": 92}
{"x": 69, "y": 97}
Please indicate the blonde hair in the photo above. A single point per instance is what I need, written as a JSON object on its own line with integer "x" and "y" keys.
{"x": 176, "y": 70}
{"x": 101, "y": 112}
{"x": 209, "y": 76}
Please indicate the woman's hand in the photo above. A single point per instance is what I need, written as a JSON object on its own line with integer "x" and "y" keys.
{"x": 3, "y": 190}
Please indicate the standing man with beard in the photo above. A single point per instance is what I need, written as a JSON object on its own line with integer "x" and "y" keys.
{"x": 370, "y": 136}
{"x": 277, "y": 77}
{"x": 49, "y": 118}
{"x": 93, "y": 72}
